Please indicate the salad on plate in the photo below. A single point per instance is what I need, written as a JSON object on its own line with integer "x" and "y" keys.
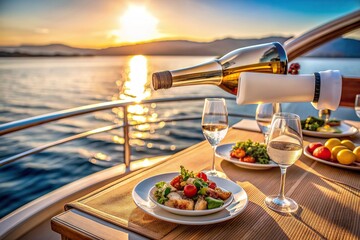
{"x": 312, "y": 123}
{"x": 190, "y": 191}
{"x": 250, "y": 152}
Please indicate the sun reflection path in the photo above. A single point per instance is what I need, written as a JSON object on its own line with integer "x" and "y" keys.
{"x": 136, "y": 87}
{"x": 133, "y": 85}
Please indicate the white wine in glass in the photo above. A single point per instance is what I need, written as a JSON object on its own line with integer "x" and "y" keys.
{"x": 214, "y": 133}
{"x": 263, "y": 116}
{"x": 284, "y": 147}
{"x": 214, "y": 126}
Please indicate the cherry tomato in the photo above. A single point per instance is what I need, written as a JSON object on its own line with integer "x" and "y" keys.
{"x": 249, "y": 159}
{"x": 202, "y": 175}
{"x": 212, "y": 185}
{"x": 190, "y": 190}
{"x": 313, "y": 146}
{"x": 235, "y": 90}
{"x": 175, "y": 182}
{"x": 238, "y": 153}
{"x": 322, "y": 152}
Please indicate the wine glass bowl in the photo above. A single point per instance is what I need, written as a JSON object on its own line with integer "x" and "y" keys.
{"x": 357, "y": 105}
{"x": 324, "y": 114}
{"x": 263, "y": 116}
{"x": 284, "y": 147}
{"x": 214, "y": 126}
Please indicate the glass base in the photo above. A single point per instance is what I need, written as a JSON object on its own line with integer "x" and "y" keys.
{"x": 285, "y": 205}
{"x": 215, "y": 173}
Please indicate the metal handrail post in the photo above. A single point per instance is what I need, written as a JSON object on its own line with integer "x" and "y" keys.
{"x": 127, "y": 150}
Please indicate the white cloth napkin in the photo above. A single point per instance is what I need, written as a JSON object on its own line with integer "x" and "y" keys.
{"x": 247, "y": 124}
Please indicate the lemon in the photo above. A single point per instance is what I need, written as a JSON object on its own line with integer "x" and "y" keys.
{"x": 336, "y": 150}
{"x": 348, "y": 143}
{"x": 356, "y": 151}
{"x": 332, "y": 142}
{"x": 328, "y": 129}
{"x": 346, "y": 157}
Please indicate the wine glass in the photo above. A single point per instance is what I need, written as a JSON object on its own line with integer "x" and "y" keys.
{"x": 284, "y": 147}
{"x": 263, "y": 116}
{"x": 214, "y": 126}
{"x": 357, "y": 105}
{"x": 325, "y": 114}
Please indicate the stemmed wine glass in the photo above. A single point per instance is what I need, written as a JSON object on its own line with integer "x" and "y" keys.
{"x": 263, "y": 116}
{"x": 284, "y": 147}
{"x": 214, "y": 126}
{"x": 325, "y": 114}
{"x": 357, "y": 105}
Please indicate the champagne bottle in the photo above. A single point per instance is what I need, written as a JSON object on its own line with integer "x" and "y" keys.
{"x": 244, "y": 72}
{"x": 224, "y": 72}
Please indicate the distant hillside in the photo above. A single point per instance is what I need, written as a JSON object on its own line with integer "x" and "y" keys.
{"x": 50, "y": 49}
{"x": 341, "y": 47}
{"x": 182, "y": 47}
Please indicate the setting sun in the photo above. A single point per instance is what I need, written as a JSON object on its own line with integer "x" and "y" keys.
{"x": 137, "y": 25}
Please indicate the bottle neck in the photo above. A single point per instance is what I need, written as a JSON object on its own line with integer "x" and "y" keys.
{"x": 206, "y": 73}
{"x": 224, "y": 72}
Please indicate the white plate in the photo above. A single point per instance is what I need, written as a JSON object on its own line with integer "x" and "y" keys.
{"x": 346, "y": 130}
{"x": 190, "y": 212}
{"x": 309, "y": 155}
{"x": 223, "y": 151}
{"x": 140, "y": 196}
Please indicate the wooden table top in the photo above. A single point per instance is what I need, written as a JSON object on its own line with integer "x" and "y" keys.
{"x": 328, "y": 198}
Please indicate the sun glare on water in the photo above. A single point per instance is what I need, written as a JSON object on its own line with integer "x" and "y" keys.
{"x": 135, "y": 88}
{"x": 137, "y": 78}
{"x": 137, "y": 25}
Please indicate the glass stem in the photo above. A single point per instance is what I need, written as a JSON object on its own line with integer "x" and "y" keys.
{"x": 213, "y": 162}
{"x": 282, "y": 183}
{"x": 266, "y": 137}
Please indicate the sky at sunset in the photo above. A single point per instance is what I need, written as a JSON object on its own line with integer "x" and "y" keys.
{"x": 105, "y": 23}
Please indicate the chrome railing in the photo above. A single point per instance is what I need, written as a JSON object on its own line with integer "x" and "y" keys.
{"x": 123, "y": 104}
